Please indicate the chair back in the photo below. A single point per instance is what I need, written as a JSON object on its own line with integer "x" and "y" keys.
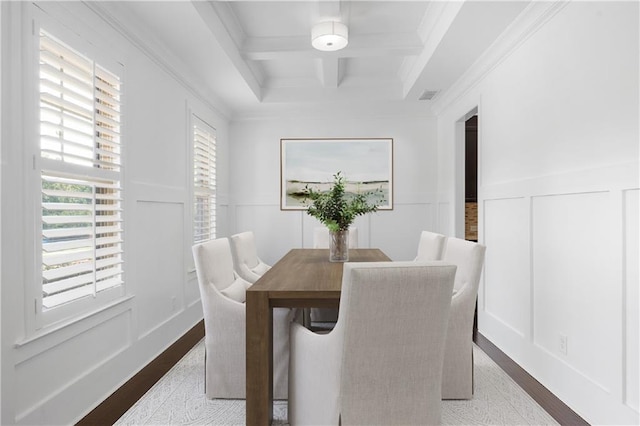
{"x": 469, "y": 258}
{"x": 393, "y": 321}
{"x": 244, "y": 249}
{"x": 321, "y": 237}
{"x": 431, "y": 246}
{"x": 214, "y": 264}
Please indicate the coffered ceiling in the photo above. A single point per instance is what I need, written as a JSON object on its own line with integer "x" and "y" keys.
{"x": 256, "y": 54}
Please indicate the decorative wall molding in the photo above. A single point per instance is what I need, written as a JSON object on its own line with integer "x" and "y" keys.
{"x": 67, "y": 373}
{"x": 631, "y": 293}
{"x": 61, "y": 333}
{"x": 579, "y": 229}
{"x": 541, "y": 357}
{"x": 505, "y": 324}
{"x": 612, "y": 177}
{"x": 506, "y": 276}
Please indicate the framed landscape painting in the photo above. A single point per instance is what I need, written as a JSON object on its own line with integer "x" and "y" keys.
{"x": 366, "y": 164}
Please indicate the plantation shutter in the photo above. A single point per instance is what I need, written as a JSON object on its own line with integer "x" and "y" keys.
{"x": 80, "y": 173}
{"x": 204, "y": 181}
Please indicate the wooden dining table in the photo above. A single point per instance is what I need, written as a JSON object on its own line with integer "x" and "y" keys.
{"x": 303, "y": 278}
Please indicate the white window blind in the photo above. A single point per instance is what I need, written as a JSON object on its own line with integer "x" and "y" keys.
{"x": 204, "y": 181}
{"x": 80, "y": 173}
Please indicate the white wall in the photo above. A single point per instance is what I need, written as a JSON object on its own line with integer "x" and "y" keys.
{"x": 56, "y": 374}
{"x": 558, "y": 198}
{"x": 2, "y": 61}
{"x": 255, "y": 178}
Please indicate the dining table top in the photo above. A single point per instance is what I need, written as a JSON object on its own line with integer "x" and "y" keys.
{"x": 306, "y": 277}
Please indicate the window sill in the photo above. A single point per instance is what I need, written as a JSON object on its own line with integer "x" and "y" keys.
{"x": 64, "y": 328}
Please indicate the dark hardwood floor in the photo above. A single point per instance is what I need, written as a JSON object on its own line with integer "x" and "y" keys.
{"x": 552, "y": 405}
{"x": 112, "y": 408}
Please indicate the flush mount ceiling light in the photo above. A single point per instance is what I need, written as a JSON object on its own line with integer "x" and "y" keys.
{"x": 329, "y": 36}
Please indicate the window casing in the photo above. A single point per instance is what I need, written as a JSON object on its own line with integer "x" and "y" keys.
{"x": 80, "y": 175}
{"x": 204, "y": 181}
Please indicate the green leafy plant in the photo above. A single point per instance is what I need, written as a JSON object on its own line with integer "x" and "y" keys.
{"x": 336, "y": 208}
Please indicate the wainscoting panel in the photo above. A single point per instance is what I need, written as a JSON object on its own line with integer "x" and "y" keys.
{"x": 54, "y": 370}
{"x": 191, "y": 291}
{"x": 632, "y": 280}
{"x": 576, "y": 274}
{"x": 507, "y": 263}
{"x": 158, "y": 265}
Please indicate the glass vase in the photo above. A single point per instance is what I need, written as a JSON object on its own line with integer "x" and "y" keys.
{"x": 339, "y": 246}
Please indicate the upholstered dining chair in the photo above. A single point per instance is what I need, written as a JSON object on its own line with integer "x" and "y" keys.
{"x": 457, "y": 375}
{"x": 245, "y": 256}
{"x": 431, "y": 246}
{"x": 222, "y": 294}
{"x": 321, "y": 240}
{"x": 385, "y": 374}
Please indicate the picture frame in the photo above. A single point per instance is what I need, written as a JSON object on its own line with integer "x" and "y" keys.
{"x": 366, "y": 164}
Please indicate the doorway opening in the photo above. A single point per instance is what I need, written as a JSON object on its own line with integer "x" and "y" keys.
{"x": 467, "y": 183}
{"x": 471, "y": 178}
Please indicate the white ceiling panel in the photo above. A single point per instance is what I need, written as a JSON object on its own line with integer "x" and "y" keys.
{"x": 386, "y": 17}
{"x": 289, "y": 68}
{"x": 367, "y": 67}
{"x": 274, "y": 19}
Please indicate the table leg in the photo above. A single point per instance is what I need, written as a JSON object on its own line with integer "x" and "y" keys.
{"x": 306, "y": 318}
{"x": 259, "y": 359}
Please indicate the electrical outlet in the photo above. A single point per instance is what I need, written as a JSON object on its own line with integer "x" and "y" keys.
{"x": 563, "y": 344}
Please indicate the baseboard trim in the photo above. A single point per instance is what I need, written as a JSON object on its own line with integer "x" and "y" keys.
{"x": 551, "y": 404}
{"x": 112, "y": 408}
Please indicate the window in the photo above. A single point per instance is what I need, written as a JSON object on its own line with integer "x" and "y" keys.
{"x": 80, "y": 167}
{"x": 204, "y": 181}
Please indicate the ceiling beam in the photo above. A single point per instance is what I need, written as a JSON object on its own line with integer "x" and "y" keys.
{"x": 368, "y": 45}
{"x": 329, "y": 9}
{"x": 329, "y": 72}
{"x": 438, "y": 17}
{"x": 220, "y": 32}
{"x": 125, "y": 24}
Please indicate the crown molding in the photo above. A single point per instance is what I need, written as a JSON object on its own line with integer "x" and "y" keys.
{"x": 524, "y": 26}
{"x": 162, "y": 58}
{"x": 357, "y": 110}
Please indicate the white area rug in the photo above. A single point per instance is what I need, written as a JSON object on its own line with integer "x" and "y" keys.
{"x": 178, "y": 399}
